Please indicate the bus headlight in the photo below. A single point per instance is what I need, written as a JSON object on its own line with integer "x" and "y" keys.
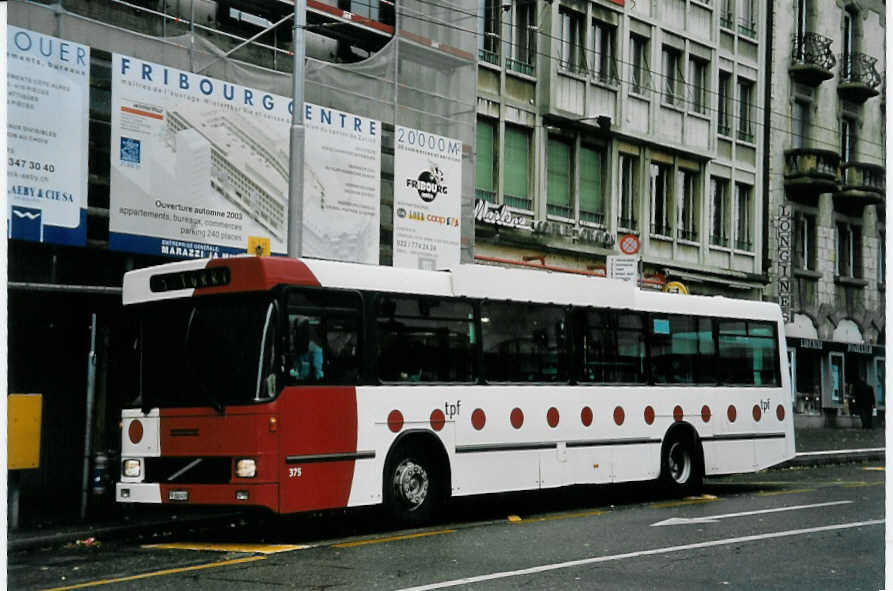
{"x": 246, "y": 468}
{"x": 132, "y": 468}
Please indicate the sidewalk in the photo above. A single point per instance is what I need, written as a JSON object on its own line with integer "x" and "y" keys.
{"x": 814, "y": 447}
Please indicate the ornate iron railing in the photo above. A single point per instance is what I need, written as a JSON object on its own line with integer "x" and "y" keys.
{"x": 813, "y": 49}
{"x": 858, "y": 68}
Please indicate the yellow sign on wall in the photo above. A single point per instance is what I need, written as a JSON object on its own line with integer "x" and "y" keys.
{"x": 23, "y": 430}
{"x": 675, "y": 287}
{"x": 259, "y": 246}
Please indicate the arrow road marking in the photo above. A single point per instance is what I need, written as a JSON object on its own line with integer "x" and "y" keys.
{"x": 715, "y": 518}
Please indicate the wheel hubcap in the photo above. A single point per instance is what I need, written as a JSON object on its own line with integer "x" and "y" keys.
{"x": 411, "y": 484}
{"x": 679, "y": 463}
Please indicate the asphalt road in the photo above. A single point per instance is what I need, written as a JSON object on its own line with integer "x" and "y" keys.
{"x": 810, "y": 528}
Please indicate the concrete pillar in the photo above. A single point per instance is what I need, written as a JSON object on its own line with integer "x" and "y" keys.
{"x": 827, "y": 250}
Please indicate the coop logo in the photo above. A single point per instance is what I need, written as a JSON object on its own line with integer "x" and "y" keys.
{"x": 429, "y": 184}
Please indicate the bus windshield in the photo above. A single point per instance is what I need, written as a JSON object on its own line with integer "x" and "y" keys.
{"x": 214, "y": 351}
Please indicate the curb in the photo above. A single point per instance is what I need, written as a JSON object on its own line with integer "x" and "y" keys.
{"x": 176, "y": 522}
{"x": 843, "y": 456}
{"x": 109, "y": 532}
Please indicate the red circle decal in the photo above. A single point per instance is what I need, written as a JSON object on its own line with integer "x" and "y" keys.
{"x": 779, "y": 412}
{"x": 135, "y": 431}
{"x": 437, "y": 419}
{"x": 733, "y": 413}
{"x": 395, "y": 421}
{"x": 517, "y": 418}
{"x": 649, "y": 415}
{"x": 478, "y": 419}
{"x": 619, "y": 415}
{"x": 705, "y": 413}
{"x": 757, "y": 413}
{"x": 552, "y": 417}
{"x": 586, "y": 416}
{"x": 677, "y": 413}
{"x": 629, "y": 244}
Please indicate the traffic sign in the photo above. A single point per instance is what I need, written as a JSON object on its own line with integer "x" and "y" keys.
{"x": 629, "y": 244}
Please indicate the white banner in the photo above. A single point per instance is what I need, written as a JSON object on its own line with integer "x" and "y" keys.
{"x": 48, "y": 86}
{"x": 200, "y": 168}
{"x": 342, "y": 180}
{"x": 427, "y": 199}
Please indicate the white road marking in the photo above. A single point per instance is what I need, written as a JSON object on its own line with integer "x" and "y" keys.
{"x": 715, "y": 518}
{"x": 656, "y": 551}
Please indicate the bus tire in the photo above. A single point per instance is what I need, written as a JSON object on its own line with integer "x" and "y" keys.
{"x": 413, "y": 487}
{"x": 681, "y": 467}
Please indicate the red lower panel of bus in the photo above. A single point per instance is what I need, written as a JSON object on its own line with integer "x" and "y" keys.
{"x": 317, "y": 424}
{"x": 260, "y": 495}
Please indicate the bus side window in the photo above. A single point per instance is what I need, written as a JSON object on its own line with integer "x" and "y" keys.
{"x": 524, "y": 343}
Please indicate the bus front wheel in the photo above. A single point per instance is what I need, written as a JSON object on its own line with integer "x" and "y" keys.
{"x": 681, "y": 470}
{"x": 412, "y": 488}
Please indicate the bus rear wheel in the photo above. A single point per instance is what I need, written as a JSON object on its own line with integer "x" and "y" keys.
{"x": 412, "y": 488}
{"x": 681, "y": 470}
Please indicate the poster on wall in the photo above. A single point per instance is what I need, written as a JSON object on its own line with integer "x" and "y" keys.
{"x": 200, "y": 168}
{"x": 48, "y": 98}
{"x": 342, "y": 180}
{"x": 427, "y": 199}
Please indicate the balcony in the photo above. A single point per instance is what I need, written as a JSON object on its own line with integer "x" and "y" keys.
{"x": 811, "y": 59}
{"x": 859, "y": 79}
{"x": 864, "y": 182}
{"x": 810, "y": 171}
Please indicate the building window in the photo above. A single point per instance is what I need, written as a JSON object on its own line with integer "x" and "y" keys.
{"x": 849, "y": 250}
{"x": 520, "y": 48}
{"x": 628, "y": 194}
{"x": 848, "y": 43}
{"x": 697, "y": 77}
{"x": 727, "y": 14}
{"x": 747, "y": 21}
{"x": 801, "y": 26}
{"x": 744, "y": 217}
{"x": 592, "y": 198}
{"x": 847, "y": 140}
{"x": 745, "y": 107}
{"x": 603, "y": 67}
{"x": 804, "y": 241}
{"x": 689, "y": 210}
{"x": 672, "y": 75}
{"x": 720, "y": 218}
{"x": 558, "y": 195}
{"x": 640, "y": 76}
{"x": 800, "y": 124}
{"x": 516, "y": 177}
{"x": 485, "y": 161}
{"x": 661, "y": 200}
{"x": 570, "y": 47}
{"x": 723, "y": 108}
{"x": 488, "y": 41}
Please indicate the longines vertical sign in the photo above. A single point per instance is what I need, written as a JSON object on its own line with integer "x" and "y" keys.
{"x": 784, "y": 230}
{"x": 200, "y": 168}
{"x": 48, "y": 85}
{"x": 427, "y": 199}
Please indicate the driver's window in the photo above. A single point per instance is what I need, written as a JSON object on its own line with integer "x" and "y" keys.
{"x": 323, "y": 345}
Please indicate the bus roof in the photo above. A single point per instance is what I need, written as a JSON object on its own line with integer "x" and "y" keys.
{"x": 250, "y": 273}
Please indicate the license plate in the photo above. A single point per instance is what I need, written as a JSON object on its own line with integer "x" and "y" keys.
{"x": 178, "y": 495}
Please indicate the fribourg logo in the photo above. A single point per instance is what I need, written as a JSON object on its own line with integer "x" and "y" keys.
{"x": 429, "y": 184}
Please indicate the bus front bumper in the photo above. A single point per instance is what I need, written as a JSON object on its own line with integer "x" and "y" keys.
{"x": 259, "y": 495}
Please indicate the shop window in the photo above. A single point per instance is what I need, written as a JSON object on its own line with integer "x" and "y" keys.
{"x": 516, "y": 177}
{"x": 629, "y": 174}
{"x": 720, "y": 218}
{"x": 661, "y": 200}
{"x": 485, "y": 161}
{"x": 592, "y": 198}
{"x": 558, "y": 191}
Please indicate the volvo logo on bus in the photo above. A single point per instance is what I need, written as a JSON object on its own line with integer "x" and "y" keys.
{"x": 429, "y": 184}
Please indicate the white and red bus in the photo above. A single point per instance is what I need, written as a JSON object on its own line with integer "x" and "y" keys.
{"x": 299, "y": 385}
